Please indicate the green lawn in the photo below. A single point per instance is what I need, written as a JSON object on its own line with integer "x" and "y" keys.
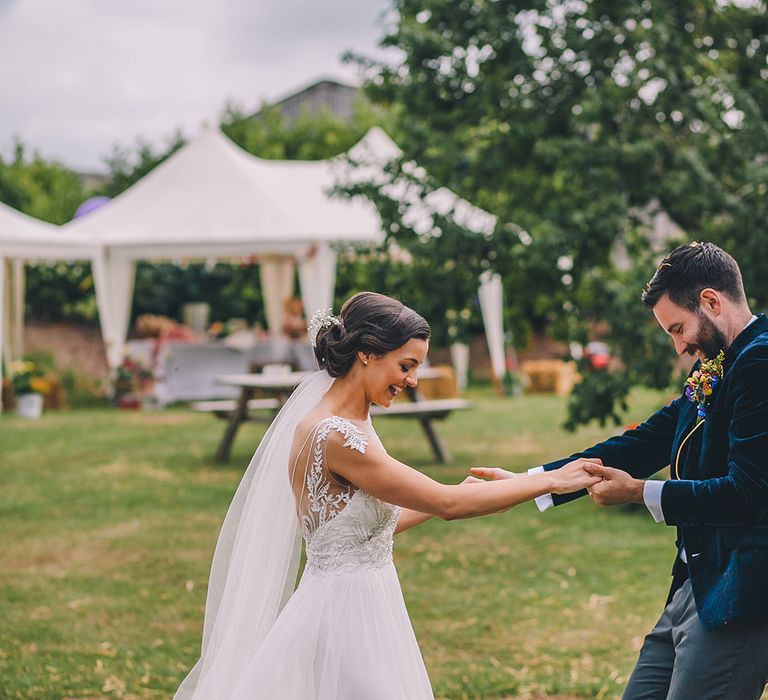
{"x": 109, "y": 519}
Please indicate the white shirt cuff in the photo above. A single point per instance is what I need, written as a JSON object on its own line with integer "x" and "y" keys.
{"x": 652, "y": 498}
{"x": 545, "y": 501}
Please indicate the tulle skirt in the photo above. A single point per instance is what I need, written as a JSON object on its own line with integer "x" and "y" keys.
{"x": 340, "y": 637}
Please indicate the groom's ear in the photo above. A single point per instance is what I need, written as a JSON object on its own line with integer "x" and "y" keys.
{"x": 711, "y": 300}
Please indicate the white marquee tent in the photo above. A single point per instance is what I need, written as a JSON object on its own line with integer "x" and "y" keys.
{"x": 212, "y": 200}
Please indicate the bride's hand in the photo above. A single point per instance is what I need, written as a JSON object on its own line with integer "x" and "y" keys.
{"x": 574, "y": 477}
{"x": 492, "y": 473}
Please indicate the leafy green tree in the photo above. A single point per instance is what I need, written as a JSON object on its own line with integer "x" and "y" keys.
{"x": 233, "y": 291}
{"x": 578, "y": 121}
{"x": 126, "y": 168}
{"x": 307, "y": 137}
{"x": 43, "y": 189}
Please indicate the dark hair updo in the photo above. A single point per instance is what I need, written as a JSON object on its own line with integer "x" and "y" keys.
{"x": 369, "y": 323}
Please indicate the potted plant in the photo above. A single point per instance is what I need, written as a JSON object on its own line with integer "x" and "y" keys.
{"x": 29, "y": 387}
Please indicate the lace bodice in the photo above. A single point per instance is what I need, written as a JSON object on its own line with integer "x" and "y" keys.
{"x": 344, "y": 528}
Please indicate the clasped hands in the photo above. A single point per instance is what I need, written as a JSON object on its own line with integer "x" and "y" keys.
{"x": 606, "y": 486}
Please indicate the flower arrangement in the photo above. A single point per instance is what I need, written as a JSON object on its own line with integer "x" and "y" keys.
{"x": 700, "y": 385}
{"x": 131, "y": 374}
{"x": 218, "y": 329}
{"x": 27, "y": 378}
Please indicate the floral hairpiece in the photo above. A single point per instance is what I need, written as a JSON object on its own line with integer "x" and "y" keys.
{"x": 699, "y": 386}
{"x": 322, "y": 318}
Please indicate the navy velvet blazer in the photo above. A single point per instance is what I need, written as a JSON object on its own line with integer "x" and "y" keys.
{"x": 719, "y": 503}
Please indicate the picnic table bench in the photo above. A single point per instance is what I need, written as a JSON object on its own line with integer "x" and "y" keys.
{"x": 281, "y": 385}
{"x": 222, "y": 408}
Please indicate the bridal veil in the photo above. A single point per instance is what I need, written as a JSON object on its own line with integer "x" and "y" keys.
{"x": 257, "y": 555}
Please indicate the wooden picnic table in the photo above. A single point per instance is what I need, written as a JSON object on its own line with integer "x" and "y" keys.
{"x": 279, "y": 386}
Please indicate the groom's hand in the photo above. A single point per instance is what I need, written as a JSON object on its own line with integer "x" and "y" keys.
{"x": 617, "y": 487}
{"x": 492, "y": 473}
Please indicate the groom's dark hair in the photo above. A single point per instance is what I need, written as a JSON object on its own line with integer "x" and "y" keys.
{"x": 689, "y": 269}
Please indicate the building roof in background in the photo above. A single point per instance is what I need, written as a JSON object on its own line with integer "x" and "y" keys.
{"x": 324, "y": 95}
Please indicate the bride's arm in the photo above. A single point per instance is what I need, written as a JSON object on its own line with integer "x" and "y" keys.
{"x": 410, "y": 518}
{"x": 377, "y": 473}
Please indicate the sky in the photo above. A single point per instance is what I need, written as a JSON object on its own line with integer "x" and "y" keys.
{"x": 80, "y": 76}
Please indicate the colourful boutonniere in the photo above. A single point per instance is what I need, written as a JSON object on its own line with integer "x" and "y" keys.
{"x": 700, "y": 385}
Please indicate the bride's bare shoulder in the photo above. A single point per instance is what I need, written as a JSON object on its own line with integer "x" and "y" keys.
{"x": 311, "y": 420}
{"x": 301, "y": 445}
{"x": 307, "y": 424}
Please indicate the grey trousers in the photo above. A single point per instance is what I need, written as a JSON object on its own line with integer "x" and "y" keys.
{"x": 680, "y": 660}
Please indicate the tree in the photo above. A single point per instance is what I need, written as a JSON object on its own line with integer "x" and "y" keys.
{"x": 127, "y": 168}
{"x": 310, "y": 136}
{"x": 45, "y": 190}
{"x": 575, "y": 120}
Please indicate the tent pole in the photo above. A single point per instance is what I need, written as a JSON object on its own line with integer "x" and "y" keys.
{"x": 3, "y": 306}
{"x": 16, "y": 308}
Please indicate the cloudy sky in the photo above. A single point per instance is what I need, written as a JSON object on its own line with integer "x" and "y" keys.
{"x": 78, "y": 76}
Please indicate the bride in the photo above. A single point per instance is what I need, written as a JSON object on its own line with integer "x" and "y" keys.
{"x": 321, "y": 473}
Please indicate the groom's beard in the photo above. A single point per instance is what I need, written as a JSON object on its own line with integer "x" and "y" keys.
{"x": 710, "y": 339}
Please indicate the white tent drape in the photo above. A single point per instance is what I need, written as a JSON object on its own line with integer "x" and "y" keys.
{"x": 16, "y": 309}
{"x": 11, "y": 312}
{"x": 2, "y": 321}
{"x": 113, "y": 279}
{"x": 491, "y": 295}
{"x": 13, "y": 300}
{"x": 317, "y": 277}
{"x": 277, "y": 275}
{"x": 6, "y": 313}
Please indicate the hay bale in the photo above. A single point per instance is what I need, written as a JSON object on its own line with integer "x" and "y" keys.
{"x": 442, "y": 386}
{"x": 549, "y": 376}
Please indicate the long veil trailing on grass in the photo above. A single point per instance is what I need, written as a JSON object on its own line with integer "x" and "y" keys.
{"x": 257, "y": 556}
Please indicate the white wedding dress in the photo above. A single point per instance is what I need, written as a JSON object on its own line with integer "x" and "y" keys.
{"x": 345, "y": 633}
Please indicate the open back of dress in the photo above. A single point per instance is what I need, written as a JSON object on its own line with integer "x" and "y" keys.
{"x": 344, "y": 528}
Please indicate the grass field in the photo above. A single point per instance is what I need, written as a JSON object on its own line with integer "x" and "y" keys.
{"x": 109, "y": 519}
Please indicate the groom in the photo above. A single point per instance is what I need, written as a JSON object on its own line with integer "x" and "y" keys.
{"x": 712, "y": 638}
